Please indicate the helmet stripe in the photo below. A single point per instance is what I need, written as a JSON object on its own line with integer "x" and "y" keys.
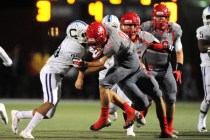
{"x": 109, "y": 18}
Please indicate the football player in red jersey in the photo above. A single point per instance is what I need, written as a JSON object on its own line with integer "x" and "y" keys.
{"x": 158, "y": 62}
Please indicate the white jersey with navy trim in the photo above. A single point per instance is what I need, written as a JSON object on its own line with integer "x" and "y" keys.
{"x": 203, "y": 33}
{"x": 56, "y": 66}
{"x": 61, "y": 61}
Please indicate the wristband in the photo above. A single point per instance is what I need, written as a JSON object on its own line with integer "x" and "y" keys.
{"x": 179, "y": 67}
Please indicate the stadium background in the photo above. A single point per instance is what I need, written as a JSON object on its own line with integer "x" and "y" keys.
{"x": 30, "y": 42}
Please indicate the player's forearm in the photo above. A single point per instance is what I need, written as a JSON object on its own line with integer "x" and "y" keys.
{"x": 81, "y": 75}
{"x": 180, "y": 57}
{"x": 95, "y": 64}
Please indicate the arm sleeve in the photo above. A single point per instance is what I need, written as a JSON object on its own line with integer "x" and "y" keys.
{"x": 178, "y": 44}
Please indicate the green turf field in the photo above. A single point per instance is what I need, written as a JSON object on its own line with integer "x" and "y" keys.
{"x": 73, "y": 119}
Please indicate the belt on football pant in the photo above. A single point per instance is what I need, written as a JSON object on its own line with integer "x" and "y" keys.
{"x": 157, "y": 67}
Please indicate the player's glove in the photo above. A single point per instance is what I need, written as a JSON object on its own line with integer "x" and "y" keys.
{"x": 178, "y": 73}
{"x": 162, "y": 47}
{"x": 208, "y": 51}
{"x": 96, "y": 53}
{"x": 169, "y": 48}
{"x": 156, "y": 46}
{"x": 78, "y": 62}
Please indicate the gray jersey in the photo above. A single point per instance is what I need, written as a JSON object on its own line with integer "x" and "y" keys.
{"x": 203, "y": 32}
{"x": 126, "y": 59}
{"x": 158, "y": 61}
{"x": 173, "y": 33}
{"x": 61, "y": 61}
{"x": 122, "y": 48}
{"x": 126, "y": 72}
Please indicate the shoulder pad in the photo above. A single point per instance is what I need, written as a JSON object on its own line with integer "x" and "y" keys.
{"x": 202, "y": 28}
{"x": 147, "y": 36}
{"x": 146, "y": 26}
{"x": 176, "y": 28}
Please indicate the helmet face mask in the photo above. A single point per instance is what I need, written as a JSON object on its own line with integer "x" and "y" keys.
{"x": 130, "y": 24}
{"x": 160, "y": 16}
{"x": 77, "y": 31}
{"x": 112, "y": 20}
{"x": 206, "y": 16}
{"x": 96, "y": 35}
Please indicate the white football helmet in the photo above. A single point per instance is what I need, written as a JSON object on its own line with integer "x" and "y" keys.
{"x": 112, "y": 20}
{"x": 206, "y": 16}
{"x": 77, "y": 31}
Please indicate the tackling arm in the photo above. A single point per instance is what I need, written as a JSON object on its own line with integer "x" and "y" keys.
{"x": 91, "y": 68}
{"x": 97, "y": 63}
{"x": 79, "y": 81}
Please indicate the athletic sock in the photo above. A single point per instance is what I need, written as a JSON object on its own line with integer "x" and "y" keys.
{"x": 130, "y": 113}
{"x": 164, "y": 125}
{"x": 103, "y": 118}
{"x": 170, "y": 123}
{"x": 34, "y": 122}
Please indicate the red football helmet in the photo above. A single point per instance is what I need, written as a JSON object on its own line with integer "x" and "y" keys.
{"x": 160, "y": 16}
{"x": 96, "y": 34}
{"x": 130, "y": 23}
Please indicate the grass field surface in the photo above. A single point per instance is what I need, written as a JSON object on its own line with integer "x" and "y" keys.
{"x": 73, "y": 119}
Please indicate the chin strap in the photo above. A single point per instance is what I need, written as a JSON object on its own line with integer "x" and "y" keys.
{"x": 178, "y": 72}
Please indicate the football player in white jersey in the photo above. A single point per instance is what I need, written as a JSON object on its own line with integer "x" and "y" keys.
{"x": 7, "y": 62}
{"x": 203, "y": 36}
{"x": 51, "y": 75}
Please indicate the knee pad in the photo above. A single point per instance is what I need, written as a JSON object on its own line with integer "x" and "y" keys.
{"x": 171, "y": 99}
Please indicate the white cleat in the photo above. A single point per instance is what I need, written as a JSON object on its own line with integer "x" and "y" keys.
{"x": 26, "y": 135}
{"x": 113, "y": 117}
{"x": 130, "y": 131}
{"x": 202, "y": 125}
{"x": 15, "y": 121}
{"x": 3, "y": 114}
{"x": 202, "y": 129}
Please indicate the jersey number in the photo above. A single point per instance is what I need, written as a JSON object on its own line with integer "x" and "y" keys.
{"x": 201, "y": 34}
{"x": 56, "y": 53}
